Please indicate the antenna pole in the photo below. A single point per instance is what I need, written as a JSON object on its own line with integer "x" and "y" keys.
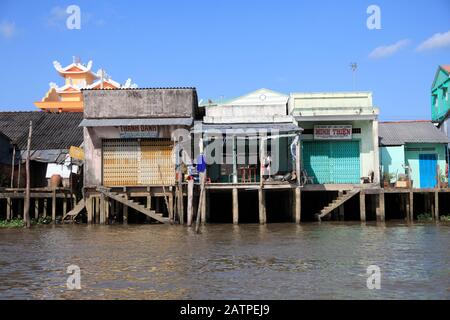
{"x": 354, "y": 67}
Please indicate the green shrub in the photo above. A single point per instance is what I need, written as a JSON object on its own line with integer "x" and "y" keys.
{"x": 445, "y": 218}
{"x": 14, "y": 223}
{"x": 425, "y": 217}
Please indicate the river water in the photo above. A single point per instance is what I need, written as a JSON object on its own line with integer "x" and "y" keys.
{"x": 274, "y": 261}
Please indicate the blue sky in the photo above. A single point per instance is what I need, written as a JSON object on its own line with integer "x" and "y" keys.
{"x": 228, "y": 48}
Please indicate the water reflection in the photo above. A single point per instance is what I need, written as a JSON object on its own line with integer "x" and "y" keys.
{"x": 274, "y": 261}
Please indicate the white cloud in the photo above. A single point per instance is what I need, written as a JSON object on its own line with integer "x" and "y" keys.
{"x": 389, "y": 50}
{"x": 57, "y": 17}
{"x": 438, "y": 40}
{"x": 7, "y": 29}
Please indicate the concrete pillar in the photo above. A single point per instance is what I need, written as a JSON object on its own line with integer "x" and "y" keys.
{"x": 235, "y": 206}
{"x": 380, "y": 207}
{"x": 298, "y": 205}
{"x": 262, "y": 206}
{"x": 362, "y": 206}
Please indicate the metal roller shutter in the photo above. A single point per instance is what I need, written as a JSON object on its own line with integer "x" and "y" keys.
{"x": 332, "y": 161}
{"x": 128, "y": 162}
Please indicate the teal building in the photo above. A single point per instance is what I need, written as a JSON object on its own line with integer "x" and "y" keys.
{"x": 414, "y": 146}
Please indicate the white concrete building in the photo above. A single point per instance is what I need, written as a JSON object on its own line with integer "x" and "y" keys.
{"x": 340, "y": 137}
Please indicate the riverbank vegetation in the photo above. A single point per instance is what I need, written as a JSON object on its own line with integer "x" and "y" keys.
{"x": 19, "y": 223}
{"x": 424, "y": 217}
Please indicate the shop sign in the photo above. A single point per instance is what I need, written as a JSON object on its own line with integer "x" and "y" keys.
{"x": 138, "y": 131}
{"x": 332, "y": 132}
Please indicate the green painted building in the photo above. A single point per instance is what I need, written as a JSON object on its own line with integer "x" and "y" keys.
{"x": 440, "y": 102}
{"x": 417, "y": 145}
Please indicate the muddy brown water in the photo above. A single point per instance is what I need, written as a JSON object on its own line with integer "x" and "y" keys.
{"x": 274, "y": 261}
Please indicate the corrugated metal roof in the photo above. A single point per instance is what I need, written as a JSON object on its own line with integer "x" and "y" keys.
{"x": 50, "y": 130}
{"x": 136, "y": 122}
{"x": 147, "y": 88}
{"x": 399, "y": 133}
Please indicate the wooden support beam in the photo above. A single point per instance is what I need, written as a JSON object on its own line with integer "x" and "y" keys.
{"x": 362, "y": 206}
{"x": 89, "y": 205}
{"x": 44, "y": 208}
{"x": 203, "y": 203}
{"x": 436, "y": 205}
{"x": 170, "y": 208}
{"x": 149, "y": 201}
{"x": 262, "y": 206}
{"x": 411, "y": 206}
{"x": 341, "y": 211}
{"x": 54, "y": 206}
{"x": 235, "y": 206}
{"x": 125, "y": 211}
{"x": 102, "y": 209}
{"x": 8, "y": 208}
{"x": 97, "y": 209}
{"x": 36, "y": 208}
{"x": 64, "y": 205}
{"x": 407, "y": 209}
{"x": 107, "y": 209}
{"x": 190, "y": 202}
{"x": 298, "y": 205}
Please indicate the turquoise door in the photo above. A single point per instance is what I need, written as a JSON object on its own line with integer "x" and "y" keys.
{"x": 332, "y": 161}
{"x": 427, "y": 170}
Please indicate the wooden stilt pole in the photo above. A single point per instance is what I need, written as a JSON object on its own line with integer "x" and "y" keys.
{"x": 8, "y": 209}
{"x": 190, "y": 209}
{"x": 89, "y": 208}
{"x": 44, "y": 209}
{"x": 125, "y": 212}
{"x": 36, "y": 208}
{"x": 411, "y": 206}
{"x": 54, "y": 205}
{"x": 97, "y": 209}
{"x": 107, "y": 209}
{"x": 102, "y": 209}
{"x": 235, "y": 206}
{"x": 26, "y": 213}
{"x": 64, "y": 204}
{"x": 12, "y": 166}
{"x": 436, "y": 205}
{"x": 201, "y": 200}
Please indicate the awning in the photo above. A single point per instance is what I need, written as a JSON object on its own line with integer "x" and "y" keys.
{"x": 246, "y": 128}
{"x": 136, "y": 122}
{"x": 336, "y": 118}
